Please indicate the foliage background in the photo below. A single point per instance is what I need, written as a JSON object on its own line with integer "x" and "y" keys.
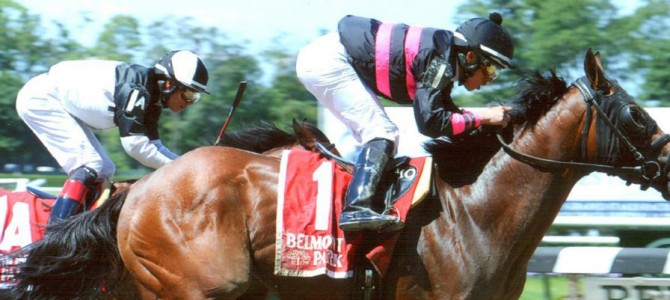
{"x": 547, "y": 34}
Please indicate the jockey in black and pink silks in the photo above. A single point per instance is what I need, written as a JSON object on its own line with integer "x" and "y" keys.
{"x": 348, "y": 70}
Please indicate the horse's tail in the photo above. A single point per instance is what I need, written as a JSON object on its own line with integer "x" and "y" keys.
{"x": 78, "y": 258}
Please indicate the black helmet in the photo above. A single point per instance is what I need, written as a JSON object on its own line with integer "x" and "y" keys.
{"x": 487, "y": 37}
{"x": 185, "y": 67}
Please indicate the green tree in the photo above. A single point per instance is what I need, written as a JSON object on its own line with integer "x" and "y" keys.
{"x": 645, "y": 41}
{"x": 120, "y": 40}
{"x": 17, "y": 143}
{"x": 555, "y": 34}
{"x": 287, "y": 96}
{"x": 547, "y": 34}
{"x": 24, "y": 52}
{"x": 20, "y": 45}
{"x": 204, "y": 120}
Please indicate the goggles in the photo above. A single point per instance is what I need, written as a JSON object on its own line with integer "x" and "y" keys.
{"x": 189, "y": 95}
{"x": 490, "y": 70}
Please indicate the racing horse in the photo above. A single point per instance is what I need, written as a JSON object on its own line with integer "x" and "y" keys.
{"x": 203, "y": 227}
{"x": 264, "y": 138}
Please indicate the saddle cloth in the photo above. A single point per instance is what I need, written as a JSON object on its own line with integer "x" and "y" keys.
{"x": 311, "y": 193}
{"x": 22, "y": 220}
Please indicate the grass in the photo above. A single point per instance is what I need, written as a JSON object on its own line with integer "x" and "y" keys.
{"x": 559, "y": 288}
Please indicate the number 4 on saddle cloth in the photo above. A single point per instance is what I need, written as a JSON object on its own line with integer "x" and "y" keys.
{"x": 25, "y": 214}
{"x": 311, "y": 193}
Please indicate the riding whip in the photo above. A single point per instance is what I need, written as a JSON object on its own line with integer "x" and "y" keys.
{"x": 236, "y": 102}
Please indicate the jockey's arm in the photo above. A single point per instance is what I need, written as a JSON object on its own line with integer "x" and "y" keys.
{"x": 137, "y": 123}
{"x": 436, "y": 116}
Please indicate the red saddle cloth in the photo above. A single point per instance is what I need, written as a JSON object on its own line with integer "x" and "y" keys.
{"x": 311, "y": 193}
{"x": 22, "y": 220}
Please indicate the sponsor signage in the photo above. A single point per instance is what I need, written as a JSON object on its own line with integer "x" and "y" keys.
{"x": 626, "y": 288}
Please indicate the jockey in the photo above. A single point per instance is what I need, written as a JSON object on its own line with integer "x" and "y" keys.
{"x": 348, "y": 70}
{"x": 63, "y": 105}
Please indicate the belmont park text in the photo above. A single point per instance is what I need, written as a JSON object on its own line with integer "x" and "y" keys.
{"x": 317, "y": 244}
{"x": 311, "y": 242}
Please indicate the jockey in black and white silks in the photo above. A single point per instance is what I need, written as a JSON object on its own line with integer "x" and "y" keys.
{"x": 64, "y": 105}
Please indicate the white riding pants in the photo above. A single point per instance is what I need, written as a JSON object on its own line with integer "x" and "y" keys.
{"x": 323, "y": 68}
{"x": 69, "y": 141}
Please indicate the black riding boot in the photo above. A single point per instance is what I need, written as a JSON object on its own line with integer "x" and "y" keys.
{"x": 73, "y": 194}
{"x": 358, "y": 213}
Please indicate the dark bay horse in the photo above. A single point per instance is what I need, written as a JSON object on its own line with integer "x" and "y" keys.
{"x": 203, "y": 227}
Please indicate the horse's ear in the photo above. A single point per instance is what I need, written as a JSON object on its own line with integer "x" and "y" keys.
{"x": 594, "y": 71}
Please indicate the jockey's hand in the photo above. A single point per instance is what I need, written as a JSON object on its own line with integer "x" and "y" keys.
{"x": 497, "y": 116}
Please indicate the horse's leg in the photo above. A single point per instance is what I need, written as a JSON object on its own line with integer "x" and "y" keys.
{"x": 182, "y": 233}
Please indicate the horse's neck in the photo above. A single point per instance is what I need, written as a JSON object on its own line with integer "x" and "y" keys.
{"x": 512, "y": 204}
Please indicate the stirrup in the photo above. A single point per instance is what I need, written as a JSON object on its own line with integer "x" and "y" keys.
{"x": 398, "y": 225}
{"x": 365, "y": 220}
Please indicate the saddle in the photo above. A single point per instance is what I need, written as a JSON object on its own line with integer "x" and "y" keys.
{"x": 399, "y": 178}
{"x": 39, "y": 193}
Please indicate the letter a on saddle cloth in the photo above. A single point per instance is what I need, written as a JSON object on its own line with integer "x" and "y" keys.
{"x": 22, "y": 220}
{"x": 311, "y": 192}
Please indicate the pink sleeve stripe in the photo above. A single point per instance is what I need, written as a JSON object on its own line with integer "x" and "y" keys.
{"x": 412, "y": 43}
{"x": 478, "y": 120}
{"x": 457, "y": 123}
{"x": 465, "y": 121}
{"x": 382, "y": 57}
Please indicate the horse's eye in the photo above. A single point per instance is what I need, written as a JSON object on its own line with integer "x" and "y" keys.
{"x": 633, "y": 119}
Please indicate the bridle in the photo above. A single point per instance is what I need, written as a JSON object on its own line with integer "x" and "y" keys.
{"x": 648, "y": 170}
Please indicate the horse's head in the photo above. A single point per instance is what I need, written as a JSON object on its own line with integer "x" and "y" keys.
{"x": 592, "y": 125}
{"x": 624, "y": 134}
{"x": 612, "y": 133}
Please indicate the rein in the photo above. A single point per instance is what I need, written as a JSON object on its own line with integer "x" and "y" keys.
{"x": 648, "y": 170}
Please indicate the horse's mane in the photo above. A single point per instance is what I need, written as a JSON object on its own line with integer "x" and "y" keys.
{"x": 265, "y": 136}
{"x": 462, "y": 158}
{"x": 537, "y": 94}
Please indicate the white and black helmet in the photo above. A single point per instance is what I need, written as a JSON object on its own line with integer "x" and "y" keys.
{"x": 186, "y": 68}
{"x": 487, "y": 37}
